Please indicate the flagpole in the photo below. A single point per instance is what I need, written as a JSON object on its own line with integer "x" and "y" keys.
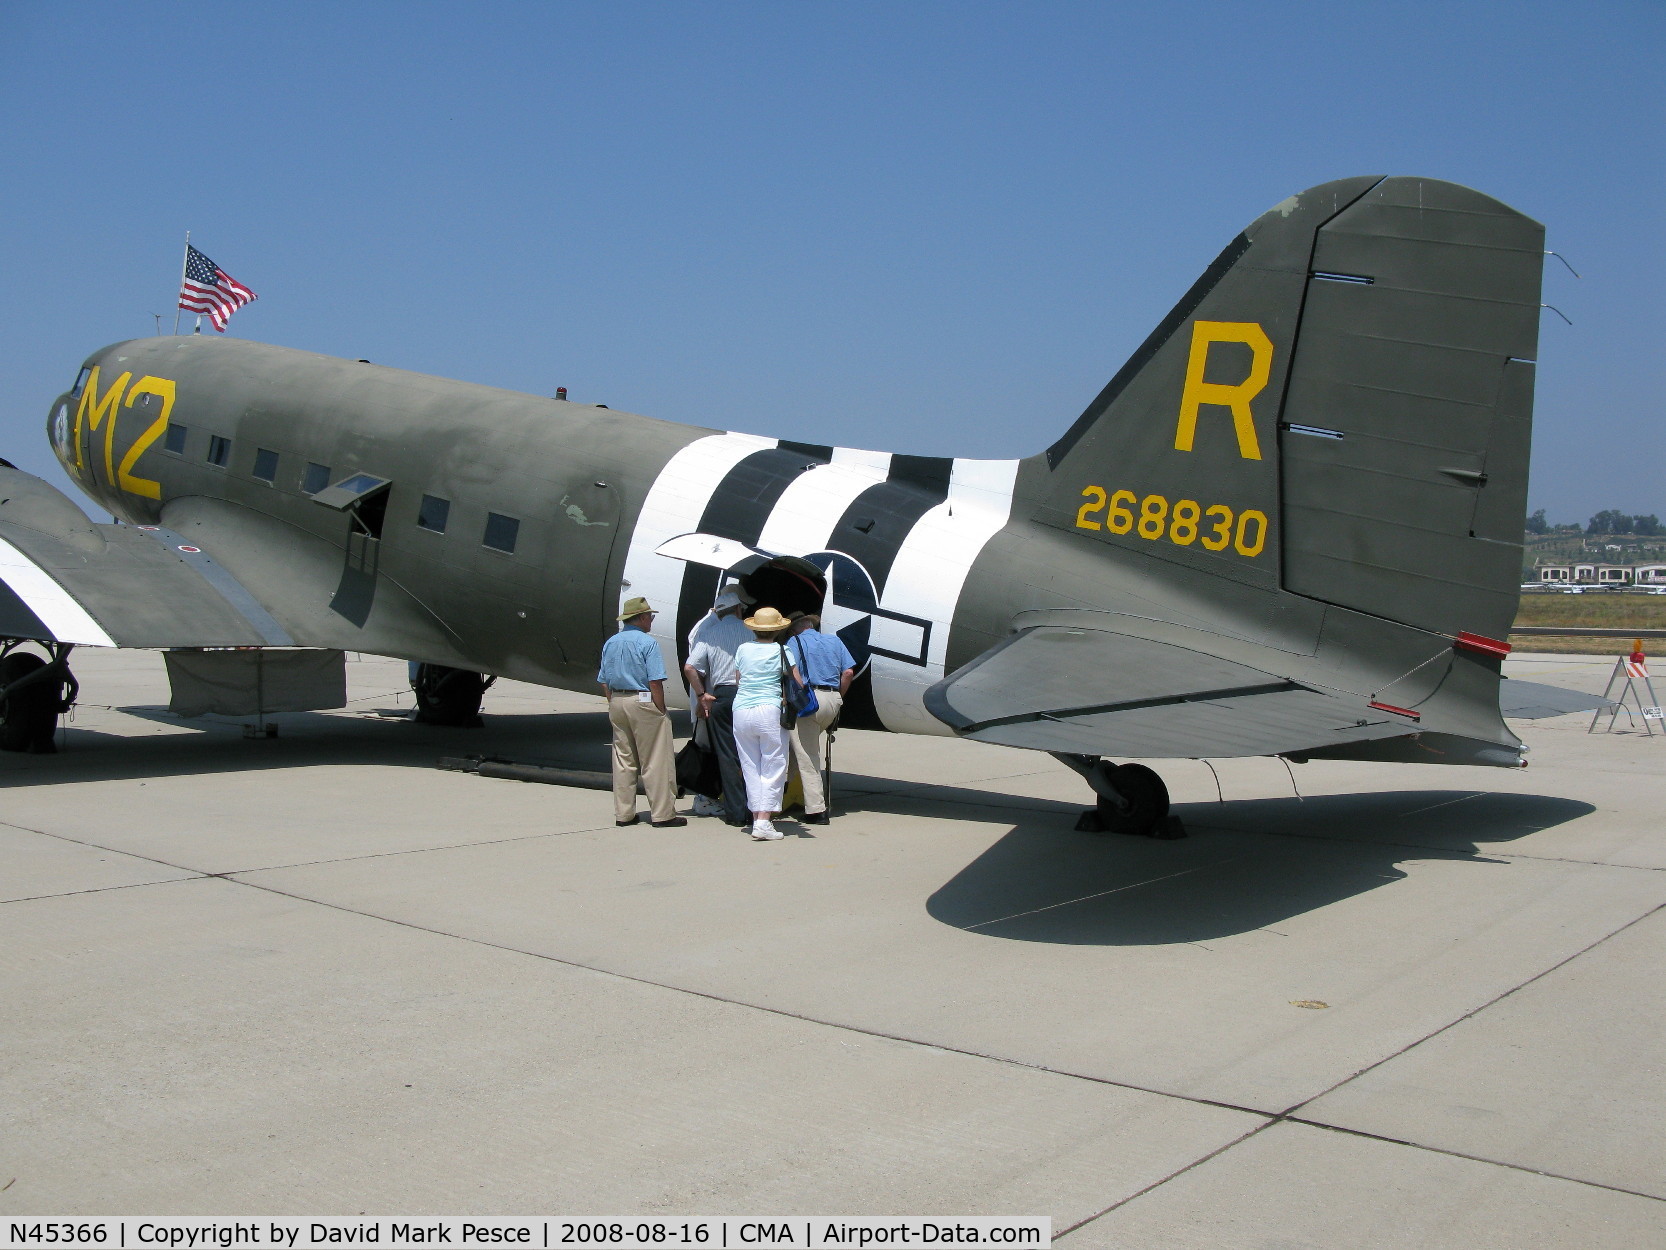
{"x": 184, "y": 265}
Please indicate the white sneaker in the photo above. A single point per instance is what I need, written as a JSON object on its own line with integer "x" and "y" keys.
{"x": 763, "y": 831}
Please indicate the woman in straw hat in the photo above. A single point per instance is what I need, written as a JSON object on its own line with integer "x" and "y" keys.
{"x": 761, "y": 740}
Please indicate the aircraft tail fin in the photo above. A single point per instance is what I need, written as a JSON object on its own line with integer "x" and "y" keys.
{"x": 1339, "y": 408}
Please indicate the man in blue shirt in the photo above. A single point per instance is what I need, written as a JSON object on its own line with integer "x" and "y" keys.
{"x": 633, "y": 677}
{"x": 827, "y": 665}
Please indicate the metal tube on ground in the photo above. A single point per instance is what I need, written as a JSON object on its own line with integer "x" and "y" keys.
{"x": 546, "y": 774}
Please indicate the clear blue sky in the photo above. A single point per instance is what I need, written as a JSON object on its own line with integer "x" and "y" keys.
{"x": 921, "y": 227}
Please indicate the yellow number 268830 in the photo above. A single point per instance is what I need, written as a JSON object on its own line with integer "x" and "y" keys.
{"x": 1183, "y": 523}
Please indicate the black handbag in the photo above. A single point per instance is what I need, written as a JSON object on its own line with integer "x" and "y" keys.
{"x": 697, "y": 771}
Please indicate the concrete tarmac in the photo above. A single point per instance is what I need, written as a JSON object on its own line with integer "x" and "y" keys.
{"x": 314, "y": 975}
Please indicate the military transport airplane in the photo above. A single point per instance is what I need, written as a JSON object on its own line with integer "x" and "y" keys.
{"x": 1290, "y": 525}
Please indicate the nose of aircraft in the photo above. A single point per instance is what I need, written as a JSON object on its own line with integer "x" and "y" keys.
{"x": 60, "y": 423}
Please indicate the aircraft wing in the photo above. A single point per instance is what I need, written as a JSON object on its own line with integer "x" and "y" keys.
{"x": 65, "y": 579}
{"x": 210, "y": 574}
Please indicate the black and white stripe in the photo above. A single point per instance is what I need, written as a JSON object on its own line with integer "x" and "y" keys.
{"x": 914, "y": 524}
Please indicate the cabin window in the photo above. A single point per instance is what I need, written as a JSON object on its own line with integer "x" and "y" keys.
{"x": 315, "y": 479}
{"x": 266, "y": 464}
{"x": 174, "y": 440}
{"x": 434, "y": 513}
{"x": 219, "y": 450}
{"x": 81, "y": 380}
{"x": 501, "y": 532}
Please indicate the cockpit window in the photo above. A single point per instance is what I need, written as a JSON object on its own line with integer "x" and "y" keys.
{"x": 81, "y": 379}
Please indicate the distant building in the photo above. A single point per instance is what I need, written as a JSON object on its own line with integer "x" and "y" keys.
{"x": 1602, "y": 574}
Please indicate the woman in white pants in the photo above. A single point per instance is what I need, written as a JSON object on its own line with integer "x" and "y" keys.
{"x": 759, "y": 737}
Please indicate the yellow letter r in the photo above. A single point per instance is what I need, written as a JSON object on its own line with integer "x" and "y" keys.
{"x": 1235, "y": 397}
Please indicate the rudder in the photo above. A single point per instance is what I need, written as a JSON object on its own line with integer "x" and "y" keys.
{"x": 1414, "y": 363}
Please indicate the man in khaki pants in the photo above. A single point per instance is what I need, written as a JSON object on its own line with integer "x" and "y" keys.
{"x": 826, "y": 664}
{"x": 633, "y": 676}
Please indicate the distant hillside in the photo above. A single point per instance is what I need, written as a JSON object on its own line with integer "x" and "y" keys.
{"x": 1568, "y": 546}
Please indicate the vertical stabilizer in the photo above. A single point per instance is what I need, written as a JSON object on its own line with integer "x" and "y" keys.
{"x": 1340, "y": 408}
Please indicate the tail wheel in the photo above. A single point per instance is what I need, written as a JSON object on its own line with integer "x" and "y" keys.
{"x": 1145, "y": 807}
{"x": 448, "y": 696}
{"x": 28, "y": 717}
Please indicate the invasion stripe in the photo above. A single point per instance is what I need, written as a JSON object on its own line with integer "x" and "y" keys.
{"x": 17, "y": 619}
{"x": 739, "y": 508}
{"x": 674, "y": 505}
{"x": 876, "y": 523}
{"x": 926, "y": 580}
{"x": 807, "y": 512}
{"x": 57, "y": 609}
{"x": 872, "y": 532}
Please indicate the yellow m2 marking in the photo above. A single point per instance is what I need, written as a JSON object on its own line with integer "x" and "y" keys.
{"x": 100, "y": 410}
{"x": 1236, "y": 397}
{"x": 162, "y": 388}
{"x": 92, "y": 412}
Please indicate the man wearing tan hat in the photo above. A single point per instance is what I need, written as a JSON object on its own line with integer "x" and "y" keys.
{"x": 633, "y": 677}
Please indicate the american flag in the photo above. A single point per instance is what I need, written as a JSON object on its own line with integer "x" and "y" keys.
{"x": 209, "y": 289}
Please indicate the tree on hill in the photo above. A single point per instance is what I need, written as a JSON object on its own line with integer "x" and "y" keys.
{"x": 1609, "y": 521}
{"x": 1536, "y": 524}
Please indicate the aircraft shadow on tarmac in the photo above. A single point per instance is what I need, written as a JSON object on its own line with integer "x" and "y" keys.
{"x": 1247, "y": 865}
{"x": 213, "y": 744}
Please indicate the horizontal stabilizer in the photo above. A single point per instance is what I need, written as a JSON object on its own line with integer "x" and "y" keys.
{"x": 1094, "y": 692}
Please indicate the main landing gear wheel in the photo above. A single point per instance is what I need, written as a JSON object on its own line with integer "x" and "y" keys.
{"x": 1143, "y": 809}
{"x": 448, "y": 696}
{"x": 29, "y": 715}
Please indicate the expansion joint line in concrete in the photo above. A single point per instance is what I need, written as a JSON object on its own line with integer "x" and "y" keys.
{"x": 1161, "y": 1181}
{"x": 1288, "y": 1115}
{"x": 1271, "y": 1118}
{"x": 1290, "y": 1112}
{"x": 229, "y": 873}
